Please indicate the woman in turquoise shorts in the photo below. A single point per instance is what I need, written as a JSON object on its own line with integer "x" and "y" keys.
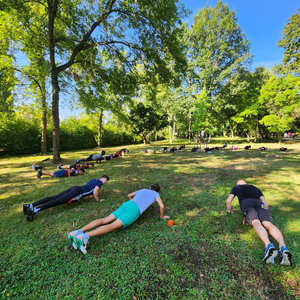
{"x": 124, "y": 216}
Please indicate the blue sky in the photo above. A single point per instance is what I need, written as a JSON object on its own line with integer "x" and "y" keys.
{"x": 262, "y": 21}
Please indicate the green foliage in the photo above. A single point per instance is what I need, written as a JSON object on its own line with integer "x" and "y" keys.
{"x": 18, "y": 136}
{"x": 290, "y": 42}
{"x": 145, "y": 119}
{"x": 281, "y": 98}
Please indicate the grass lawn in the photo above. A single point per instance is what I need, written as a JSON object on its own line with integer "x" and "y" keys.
{"x": 206, "y": 255}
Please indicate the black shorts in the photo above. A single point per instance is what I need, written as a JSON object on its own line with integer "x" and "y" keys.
{"x": 257, "y": 213}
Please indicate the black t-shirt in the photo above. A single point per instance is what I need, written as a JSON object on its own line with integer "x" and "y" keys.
{"x": 248, "y": 195}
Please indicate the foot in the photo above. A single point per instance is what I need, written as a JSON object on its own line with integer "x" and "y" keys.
{"x": 270, "y": 254}
{"x": 59, "y": 166}
{"x": 285, "y": 256}
{"x": 36, "y": 167}
{"x": 81, "y": 243}
{"x": 26, "y": 208}
{"x": 39, "y": 173}
{"x": 71, "y": 236}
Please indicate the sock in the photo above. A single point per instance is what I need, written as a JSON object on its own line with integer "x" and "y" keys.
{"x": 36, "y": 209}
{"x": 85, "y": 236}
{"x": 283, "y": 248}
{"x": 31, "y": 206}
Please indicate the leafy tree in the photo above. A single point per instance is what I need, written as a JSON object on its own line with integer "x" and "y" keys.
{"x": 132, "y": 30}
{"x": 290, "y": 42}
{"x": 145, "y": 120}
{"x": 217, "y": 47}
{"x": 281, "y": 98}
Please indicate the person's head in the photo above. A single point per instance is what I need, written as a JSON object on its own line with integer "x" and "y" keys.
{"x": 102, "y": 152}
{"x": 241, "y": 181}
{"x": 104, "y": 178}
{"x": 155, "y": 187}
{"x": 81, "y": 171}
{"x": 90, "y": 166}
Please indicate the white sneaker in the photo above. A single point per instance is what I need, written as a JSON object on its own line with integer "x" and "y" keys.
{"x": 71, "y": 237}
{"x": 81, "y": 243}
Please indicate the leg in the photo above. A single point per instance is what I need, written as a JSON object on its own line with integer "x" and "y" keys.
{"x": 261, "y": 232}
{"x": 274, "y": 232}
{"x": 99, "y": 222}
{"x": 106, "y": 228}
{"x": 47, "y": 173}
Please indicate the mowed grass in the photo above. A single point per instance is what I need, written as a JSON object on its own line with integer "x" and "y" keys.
{"x": 206, "y": 255}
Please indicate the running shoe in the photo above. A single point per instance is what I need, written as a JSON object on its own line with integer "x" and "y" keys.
{"x": 285, "y": 256}
{"x": 270, "y": 254}
{"x": 39, "y": 173}
{"x": 30, "y": 214}
{"x": 71, "y": 236}
{"x": 26, "y": 207}
{"x": 81, "y": 243}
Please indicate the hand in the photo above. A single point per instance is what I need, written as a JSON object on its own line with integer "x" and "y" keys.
{"x": 165, "y": 217}
{"x": 100, "y": 200}
{"x": 229, "y": 211}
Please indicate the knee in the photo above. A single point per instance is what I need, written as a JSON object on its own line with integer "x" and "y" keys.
{"x": 255, "y": 223}
{"x": 268, "y": 225}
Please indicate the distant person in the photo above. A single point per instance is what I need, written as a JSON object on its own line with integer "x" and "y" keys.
{"x": 93, "y": 157}
{"x": 59, "y": 173}
{"x": 255, "y": 209}
{"x": 77, "y": 166}
{"x": 262, "y": 148}
{"x": 73, "y": 193}
{"x": 124, "y": 216}
{"x": 248, "y": 147}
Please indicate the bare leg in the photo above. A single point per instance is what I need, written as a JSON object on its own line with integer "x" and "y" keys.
{"x": 261, "y": 232}
{"x": 106, "y": 228}
{"x": 47, "y": 173}
{"x": 274, "y": 232}
{"x": 99, "y": 222}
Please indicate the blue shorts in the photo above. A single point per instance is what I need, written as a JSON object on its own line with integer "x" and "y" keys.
{"x": 128, "y": 213}
{"x": 60, "y": 173}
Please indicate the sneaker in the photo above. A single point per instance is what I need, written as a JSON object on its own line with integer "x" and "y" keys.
{"x": 71, "y": 239}
{"x": 285, "y": 256}
{"x": 270, "y": 254}
{"x": 26, "y": 208}
{"x": 39, "y": 173}
{"x": 30, "y": 214}
{"x": 36, "y": 167}
{"x": 81, "y": 243}
{"x": 59, "y": 166}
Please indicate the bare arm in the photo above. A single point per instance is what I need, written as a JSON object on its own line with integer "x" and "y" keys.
{"x": 263, "y": 200}
{"x": 96, "y": 193}
{"x": 131, "y": 195}
{"x": 228, "y": 203}
{"x": 161, "y": 209}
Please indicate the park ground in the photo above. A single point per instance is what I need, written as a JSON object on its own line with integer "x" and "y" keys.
{"x": 206, "y": 255}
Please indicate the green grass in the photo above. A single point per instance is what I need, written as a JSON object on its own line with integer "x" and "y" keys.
{"x": 206, "y": 255}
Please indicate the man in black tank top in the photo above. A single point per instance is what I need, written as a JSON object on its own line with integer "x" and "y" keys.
{"x": 255, "y": 209}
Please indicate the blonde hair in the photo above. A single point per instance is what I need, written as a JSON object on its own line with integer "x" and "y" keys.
{"x": 241, "y": 181}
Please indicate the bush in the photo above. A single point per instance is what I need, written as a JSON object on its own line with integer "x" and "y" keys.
{"x": 18, "y": 136}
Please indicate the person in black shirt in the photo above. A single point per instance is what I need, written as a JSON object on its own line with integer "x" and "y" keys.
{"x": 255, "y": 209}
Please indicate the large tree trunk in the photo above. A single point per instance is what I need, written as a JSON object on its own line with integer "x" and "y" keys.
{"x": 44, "y": 126}
{"x": 100, "y": 128}
{"x": 232, "y": 132}
{"x": 52, "y": 10}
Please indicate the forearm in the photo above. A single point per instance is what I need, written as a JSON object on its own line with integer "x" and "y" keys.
{"x": 228, "y": 203}
{"x": 162, "y": 211}
{"x": 263, "y": 200}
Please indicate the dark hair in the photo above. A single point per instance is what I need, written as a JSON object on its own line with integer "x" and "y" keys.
{"x": 155, "y": 187}
{"x": 105, "y": 176}
{"x": 82, "y": 170}
{"x": 102, "y": 152}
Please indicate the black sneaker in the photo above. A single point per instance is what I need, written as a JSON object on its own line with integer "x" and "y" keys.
{"x": 39, "y": 173}
{"x": 270, "y": 254}
{"x": 285, "y": 256}
{"x": 30, "y": 214}
{"x": 26, "y": 208}
{"x": 36, "y": 167}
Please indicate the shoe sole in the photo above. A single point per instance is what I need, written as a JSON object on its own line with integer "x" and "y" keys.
{"x": 271, "y": 256}
{"x": 286, "y": 259}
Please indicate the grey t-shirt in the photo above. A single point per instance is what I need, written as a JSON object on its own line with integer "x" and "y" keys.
{"x": 144, "y": 198}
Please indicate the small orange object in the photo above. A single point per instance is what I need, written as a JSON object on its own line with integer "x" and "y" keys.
{"x": 171, "y": 223}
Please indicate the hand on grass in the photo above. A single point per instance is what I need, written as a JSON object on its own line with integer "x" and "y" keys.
{"x": 100, "y": 200}
{"x": 229, "y": 211}
{"x": 165, "y": 217}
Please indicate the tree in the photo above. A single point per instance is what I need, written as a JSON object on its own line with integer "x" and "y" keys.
{"x": 145, "y": 120}
{"x": 217, "y": 47}
{"x": 281, "y": 98}
{"x": 129, "y": 29}
{"x": 290, "y": 42}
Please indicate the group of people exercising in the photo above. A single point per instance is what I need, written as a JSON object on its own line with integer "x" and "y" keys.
{"x": 252, "y": 203}
{"x": 78, "y": 168}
